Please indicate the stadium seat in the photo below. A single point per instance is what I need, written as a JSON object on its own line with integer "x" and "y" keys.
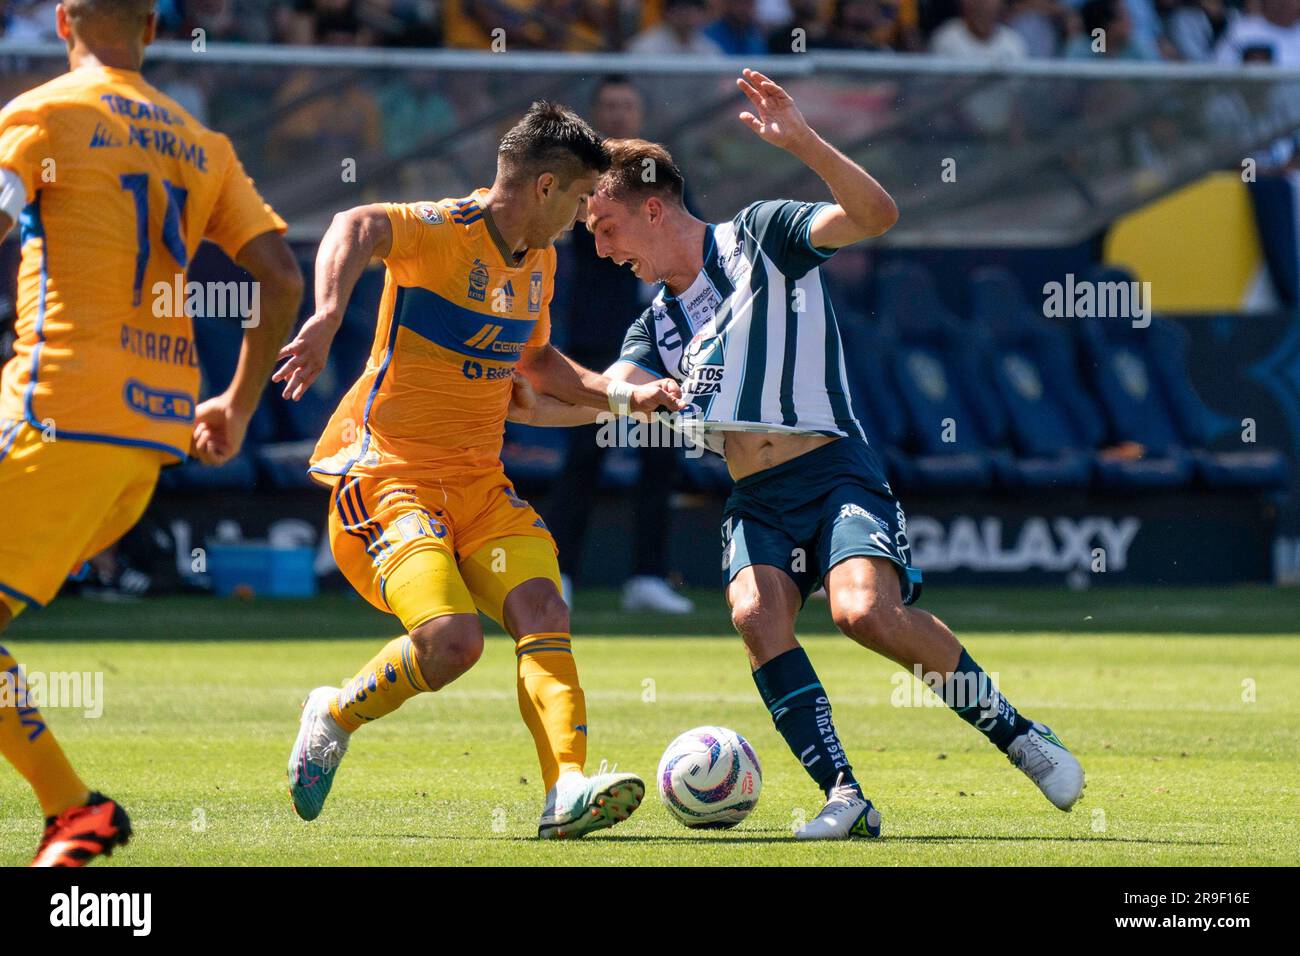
{"x": 927, "y": 384}
{"x": 1123, "y": 377}
{"x": 238, "y": 474}
{"x": 1142, "y": 378}
{"x": 867, "y": 351}
{"x": 1049, "y": 419}
{"x": 1203, "y": 428}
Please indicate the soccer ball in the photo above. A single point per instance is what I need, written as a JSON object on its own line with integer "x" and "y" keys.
{"x": 709, "y": 778}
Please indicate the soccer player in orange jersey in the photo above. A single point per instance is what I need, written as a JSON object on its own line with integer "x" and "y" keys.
{"x": 423, "y": 520}
{"x": 113, "y": 186}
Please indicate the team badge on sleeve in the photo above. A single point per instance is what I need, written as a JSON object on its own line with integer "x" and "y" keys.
{"x": 430, "y": 213}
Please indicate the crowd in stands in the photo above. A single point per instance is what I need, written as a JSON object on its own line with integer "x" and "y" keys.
{"x": 1227, "y": 31}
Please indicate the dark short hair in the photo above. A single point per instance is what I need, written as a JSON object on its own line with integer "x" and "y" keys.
{"x": 551, "y": 139}
{"x": 122, "y": 10}
{"x": 639, "y": 168}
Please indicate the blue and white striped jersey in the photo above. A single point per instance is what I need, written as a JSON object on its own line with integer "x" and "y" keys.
{"x": 753, "y": 341}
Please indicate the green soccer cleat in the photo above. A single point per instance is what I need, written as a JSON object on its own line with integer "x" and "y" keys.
{"x": 316, "y": 754}
{"x": 577, "y": 805}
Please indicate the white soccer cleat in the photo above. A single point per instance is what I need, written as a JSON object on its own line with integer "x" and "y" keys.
{"x": 646, "y": 592}
{"x": 1043, "y": 758}
{"x": 577, "y": 805}
{"x": 847, "y": 814}
{"x": 566, "y": 590}
{"x": 316, "y": 754}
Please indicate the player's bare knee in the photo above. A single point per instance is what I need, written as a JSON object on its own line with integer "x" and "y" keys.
{"x": 869, "y": 618}
{"x": 747, "y": 613}
{"x": 446, "y": 647}
{"x": 757, "y": 620}
{"x": 536, "y": 607}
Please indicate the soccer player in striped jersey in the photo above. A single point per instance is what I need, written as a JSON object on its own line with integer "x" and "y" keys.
{"x": 113, "y": 186}
{"x": 744, "y": 324}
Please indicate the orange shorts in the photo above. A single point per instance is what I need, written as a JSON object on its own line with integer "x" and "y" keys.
{"x": 425, "y": 549}
{"x": 64, "y": 502}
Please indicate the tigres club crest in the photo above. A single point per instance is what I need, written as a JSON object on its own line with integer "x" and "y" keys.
{"x": 478, "y": 282}
{"x": 535, "y": 292}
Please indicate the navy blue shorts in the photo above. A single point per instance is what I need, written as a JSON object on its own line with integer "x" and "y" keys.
{"x": 810, "y": 513}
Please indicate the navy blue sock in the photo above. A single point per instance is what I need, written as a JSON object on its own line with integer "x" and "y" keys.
{"x": 971, "y": 693}
{"x": 802, "y": 714}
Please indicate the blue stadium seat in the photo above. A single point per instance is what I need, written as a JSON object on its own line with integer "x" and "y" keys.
{"x": 239, "y": 474}
{"x": 219, "y": 341}
{"x": 927, "y": 383}
{"x": 1128, "y": 387}
{"x": 1203, "y": 428}
{"x": 1049, "y": 419}
{"x": 1142, "y": 375}
{"x": 296, "y": 426}
{"x": 868, "y": 350}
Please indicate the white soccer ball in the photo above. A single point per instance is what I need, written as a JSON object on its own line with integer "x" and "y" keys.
{"x": 709, "y": 778}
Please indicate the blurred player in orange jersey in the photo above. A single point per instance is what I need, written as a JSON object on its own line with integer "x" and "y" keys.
{"x": 424, "y": 522}
{"x": 113, "y": 186}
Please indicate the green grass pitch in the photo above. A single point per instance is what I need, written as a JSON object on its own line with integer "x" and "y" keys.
{"x": 1182, "y": 706}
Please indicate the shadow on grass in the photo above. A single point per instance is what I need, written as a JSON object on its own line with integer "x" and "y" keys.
{"x": 721, "y": 838}
{"x": 337, "y": 616}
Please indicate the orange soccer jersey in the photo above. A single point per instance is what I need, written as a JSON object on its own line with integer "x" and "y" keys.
{"x": 453, "y": 319}
{"x": 122, "y": 185}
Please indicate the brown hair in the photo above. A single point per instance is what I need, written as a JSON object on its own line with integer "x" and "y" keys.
{"x": 639, "y": 168}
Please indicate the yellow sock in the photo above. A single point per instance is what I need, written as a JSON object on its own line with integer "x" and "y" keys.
{"x": 390, "y": 679}
{"x": 552, "y": 703}
{"x": 29, "y": 745}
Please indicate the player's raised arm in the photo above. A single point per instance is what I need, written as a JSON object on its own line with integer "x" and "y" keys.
{"x": 220, "y": 422}
{"x": 352, "y": 240}
{"x": 553, "y": 373}
{"x": 863, "y": 208}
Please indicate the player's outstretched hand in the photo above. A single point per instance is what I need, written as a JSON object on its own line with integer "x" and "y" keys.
{"x": 658, "y": 396}
{"x": 523, "y": 399}
{"x": 307, "y": 354}
{"x": 218, "y": 431}
{"x": 775, "y": 117}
